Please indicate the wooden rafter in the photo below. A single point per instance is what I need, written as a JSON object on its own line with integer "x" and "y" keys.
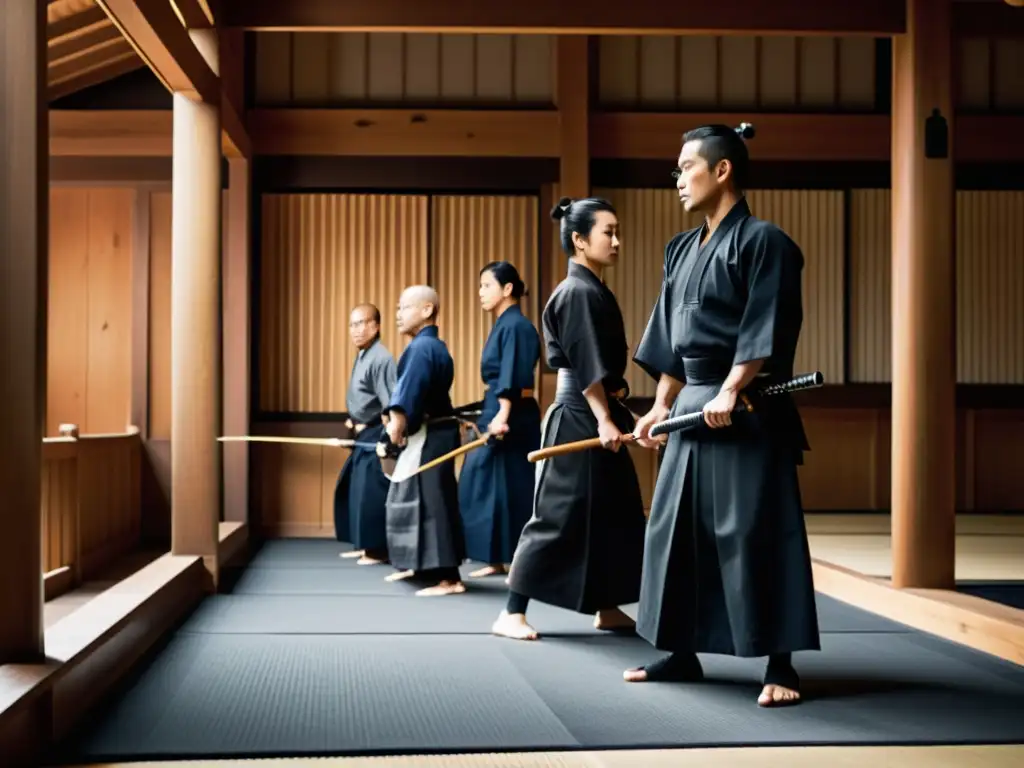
{"x": 83, "y": 47}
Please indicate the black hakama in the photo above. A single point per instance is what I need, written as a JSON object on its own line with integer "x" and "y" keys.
{"x": 583, "y": 547}
{"x": 361, "y": 493}
{"x": 497, "y": 480}
{"x": 424, "y": 528}
{"x": 726, "y": 564}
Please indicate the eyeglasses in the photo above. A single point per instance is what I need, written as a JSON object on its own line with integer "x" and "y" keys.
{"x": 676, "y": 173}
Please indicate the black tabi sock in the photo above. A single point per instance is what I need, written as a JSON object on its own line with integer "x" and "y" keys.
{"x": 680, "y": 667}
{"x": 516, "y": 603}
{"x": 779, "y": 671}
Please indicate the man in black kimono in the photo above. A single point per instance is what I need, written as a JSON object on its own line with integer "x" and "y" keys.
{"x": 726, "y": 563}
{"x": 362, "y": 488}
{"x": 424, "y": 527}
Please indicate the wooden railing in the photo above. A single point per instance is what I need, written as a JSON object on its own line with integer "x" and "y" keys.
{"x": 91, "y": 504}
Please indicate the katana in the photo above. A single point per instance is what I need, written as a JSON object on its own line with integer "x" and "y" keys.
{"x": 688, "y": 420}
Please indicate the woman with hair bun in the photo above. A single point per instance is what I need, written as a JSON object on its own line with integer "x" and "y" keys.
{"x": 583, "y": 548}
{"x": 496, "y": 482}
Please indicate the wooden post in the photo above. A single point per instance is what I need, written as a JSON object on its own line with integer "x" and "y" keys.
{"x": 572, "y": 79}
{"x": 24, "y": 225}
{"x": 923, "y": 274}
{"x": 236, "y": 326}
{"x": 195, "y": 325}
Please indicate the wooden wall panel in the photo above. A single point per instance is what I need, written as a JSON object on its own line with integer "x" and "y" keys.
{"x": 321, "y": 255}
{"x": 59, "y": 503}
{"x": 814, "y": 219}
{"x": 990, "y": 287}
{"x": 737, "y": 72}
{"x": 358, "y": 68}
{"x": 648, "y": 219}
{"x": 468, "y": 232}
{"x": 870, "y": 285}
{"x": 109, "y": 498}
{"x": 988, "y": 74}
{"x": 89, "y": 327}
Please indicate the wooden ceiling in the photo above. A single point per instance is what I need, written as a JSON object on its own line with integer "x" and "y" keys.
{"x": 84, "y": 47}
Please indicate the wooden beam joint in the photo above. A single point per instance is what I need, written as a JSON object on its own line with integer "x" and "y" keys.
{"x": 159, "y": 37}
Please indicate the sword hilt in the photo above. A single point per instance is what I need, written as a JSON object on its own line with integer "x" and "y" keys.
{"x": 689, "y": 420}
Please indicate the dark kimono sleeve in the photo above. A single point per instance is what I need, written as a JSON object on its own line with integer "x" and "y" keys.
{"x": 518, "y": 357}
{"x": 384, "y": 375}
{"x": 578, "y": 326}
{"x": 773, "y": 266}
{"x": 413, "y": 383}
{"x": 654, "y": 354}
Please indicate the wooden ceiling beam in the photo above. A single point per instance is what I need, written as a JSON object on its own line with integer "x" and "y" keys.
{"x": 587, "y": 17}
{"x": 522, "y": 133}
{"x": 408, "y": 132}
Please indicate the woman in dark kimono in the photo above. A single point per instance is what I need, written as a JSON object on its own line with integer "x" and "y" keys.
{"x": 583, "y": 547}
{"x": 496, "y": 482}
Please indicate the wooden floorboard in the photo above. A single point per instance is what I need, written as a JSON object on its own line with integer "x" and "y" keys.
{"x": 787, "y": 757}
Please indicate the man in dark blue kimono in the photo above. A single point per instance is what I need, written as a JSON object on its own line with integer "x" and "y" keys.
{"x": 424, "y": 528}
{"x": 726, "y": 563}
{"x": 362, "y": 488}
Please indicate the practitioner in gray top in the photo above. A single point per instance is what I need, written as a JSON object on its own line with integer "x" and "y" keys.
{"x": 362, "y": 488}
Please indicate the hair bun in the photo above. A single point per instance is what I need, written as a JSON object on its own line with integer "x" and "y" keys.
{"x": 523, "y": 290}
{"x": 745, "y": 131}
{"x": 560, "y": 208}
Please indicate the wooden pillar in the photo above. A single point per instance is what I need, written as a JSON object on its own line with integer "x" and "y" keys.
{"x": 572, "y": 94}
{"x": 923, "y": 306}
{"x": 24, "y": 202}
{"x": 236, "y": 342}
{"x": 235, "y": 312}
{"x": 195, "y": 324}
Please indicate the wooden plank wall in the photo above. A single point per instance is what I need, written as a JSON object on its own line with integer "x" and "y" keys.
{"x": 91, "y": 496}
{"x": 89, "y": 332}
{"x": 319, "y": 252}
{"x": 322, "y": 255}
{"x": 742, "y": 72}
{"x": 341, "y": 69}
{"x": 849, "y": 466}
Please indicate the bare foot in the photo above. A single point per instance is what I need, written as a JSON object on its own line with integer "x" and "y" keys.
{"x": 354, "y": 553}
{"x": 778, "y": 696}
{"x": 444, "y": 588}
{"x": 613, "y": 619}
{"x": 367, "y": 560}
{"x": 400, "y": 576}
{"x": 514, "y": 626}
{"x": 490, "y": 570}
